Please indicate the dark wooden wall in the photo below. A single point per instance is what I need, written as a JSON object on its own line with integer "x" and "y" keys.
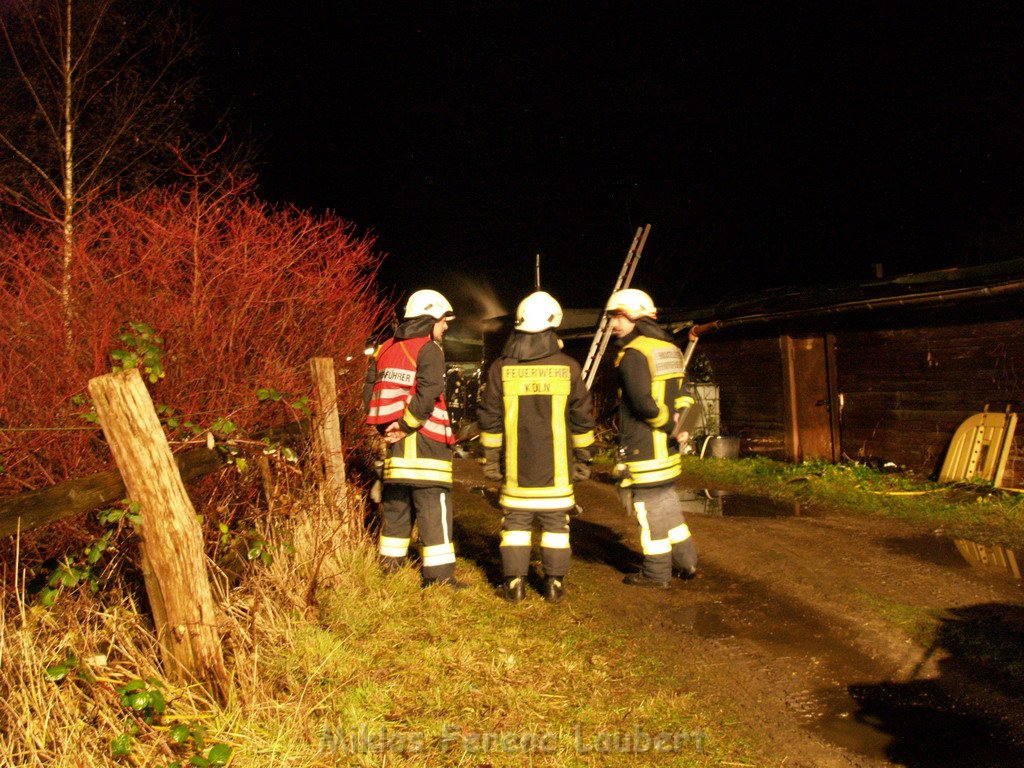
{"x": 749, "y": 375}
{"x": 904, "y": 390}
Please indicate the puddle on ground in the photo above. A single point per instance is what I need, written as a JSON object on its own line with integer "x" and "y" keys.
{"x": 919, "y": 722}
{"x": 960, "y": 554}
{"x": 915, "y": 723}
{"x": 942, "y": 551}
{"x": 714, "y": 503}
{"x": 924, "y": 723}
{"x": 993, "y": 557}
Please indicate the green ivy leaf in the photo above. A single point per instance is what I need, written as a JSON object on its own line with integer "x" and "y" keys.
{"x": 107, "y": 516}
{"x": 219, "y": 754}
{"x": 130, "y": 686}
{"x": 180, "y": 733}
{"x": 58, "y": 672}
{"x": 121, "y": 746}
{"x": 157, "y": 703}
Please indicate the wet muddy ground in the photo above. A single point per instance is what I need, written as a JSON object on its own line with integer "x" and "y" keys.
{"x": 803, "y": 632}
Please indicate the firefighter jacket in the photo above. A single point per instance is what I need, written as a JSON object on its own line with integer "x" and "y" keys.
{"x": 536, "y": 407}
{"x": 650, "y": 369}
{"x": 407, "y": 375}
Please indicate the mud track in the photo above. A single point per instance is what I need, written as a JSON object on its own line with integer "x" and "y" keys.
{"x": 794, "y": 635}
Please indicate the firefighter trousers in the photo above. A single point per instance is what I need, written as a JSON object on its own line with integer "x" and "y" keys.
{"x": 517, "y": 538}
{"x": 432, "y": 508}
{"x": 664, "y": 536}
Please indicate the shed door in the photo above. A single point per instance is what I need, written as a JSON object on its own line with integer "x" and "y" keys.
{"x": 812, "y": 413}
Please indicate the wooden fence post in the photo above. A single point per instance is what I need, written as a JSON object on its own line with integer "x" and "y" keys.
{"x": 174, "y": 564}
{"x": 327, "y": 429}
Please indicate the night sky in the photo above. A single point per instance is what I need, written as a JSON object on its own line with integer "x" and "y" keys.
{"x": 767, "y": 144}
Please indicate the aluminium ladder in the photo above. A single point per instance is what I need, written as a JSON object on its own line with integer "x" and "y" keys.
{"x": 600, "y": 342}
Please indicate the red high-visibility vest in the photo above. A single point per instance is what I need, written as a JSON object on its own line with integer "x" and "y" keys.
{"x": 396, "y": 384}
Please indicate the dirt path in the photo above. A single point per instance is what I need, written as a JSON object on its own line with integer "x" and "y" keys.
{"x": 799, "y": 631}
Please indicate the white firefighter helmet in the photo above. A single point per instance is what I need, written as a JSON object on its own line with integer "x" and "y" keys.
{"x": 633, "y": 303}
{"x": 538, "y": 312}
{"x": 428, "y": 302}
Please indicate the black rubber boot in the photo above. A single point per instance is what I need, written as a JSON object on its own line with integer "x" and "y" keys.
{"x": 685, "y": 573}
{"x": 640, "y": 580}
{"x": 392, "y": 564}
{"x": 554, "y": 589}
{"x": 513, "y": 589}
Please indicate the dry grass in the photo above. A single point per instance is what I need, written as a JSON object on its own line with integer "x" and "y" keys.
{"x": 334, "y": 663}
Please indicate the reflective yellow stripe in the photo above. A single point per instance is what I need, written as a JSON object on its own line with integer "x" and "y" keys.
{"x": 438, "y": 554}
{"x": 558, "y": 455}
{"x": 548, "y": 502}
{"x": 391, "y": 546}
{"x": 554, "y": 540}
{"x": 408, "y": 447}
{"x": 423, "y": 475}
{"x": 511, "y": 456}
{"x": 515, "y": 538}
{"x": 491, "y": 439}
{"x": 583, "y": 440}
{"x": 413, "y": 463}
{"x": 650, "y": 478}
{"x": 658, "y": 393}
{"x": 428, "y": 470}
{"x": 679, "y": 533}
{"x": 647, "y": 544}
{"x": 546, "y": 491}
{"x": 684, "y": 401}
{"x": 411, "y": 420}
{"x": 654, "y": 470}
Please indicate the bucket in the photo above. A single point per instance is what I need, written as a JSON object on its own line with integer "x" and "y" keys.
{"x": 724, "y": 447}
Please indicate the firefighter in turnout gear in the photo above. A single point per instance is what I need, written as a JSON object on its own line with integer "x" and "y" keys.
{"x": 654, "y": 402}
{"x": 536, "y": 414}
{"x": 405, "y": 401}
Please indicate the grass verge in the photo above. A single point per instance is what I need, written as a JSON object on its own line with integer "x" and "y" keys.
{"x": 366, "y": 669}
{"x": 976, "y": 512}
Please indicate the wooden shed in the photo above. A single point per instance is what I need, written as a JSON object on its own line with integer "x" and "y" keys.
{"x": 886, "y": 369}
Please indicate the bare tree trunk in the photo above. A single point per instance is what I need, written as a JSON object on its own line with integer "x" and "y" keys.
{"x": 172, "y": 544}
{"x": 68, "y": 240}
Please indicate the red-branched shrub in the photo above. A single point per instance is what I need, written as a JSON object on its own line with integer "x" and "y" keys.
{"x": 243, "y": 295}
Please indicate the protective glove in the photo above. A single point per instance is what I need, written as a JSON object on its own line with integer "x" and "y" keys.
{"x": 377, "y": 487}
{"x": 492, "y": 464}
{"x": 581, "y": 464}
{"x": 624, "y": 486}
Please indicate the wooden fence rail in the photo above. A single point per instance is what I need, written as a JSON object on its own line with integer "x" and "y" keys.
{"x": 31, "y": 509}
{"x": 170, "y": 535}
